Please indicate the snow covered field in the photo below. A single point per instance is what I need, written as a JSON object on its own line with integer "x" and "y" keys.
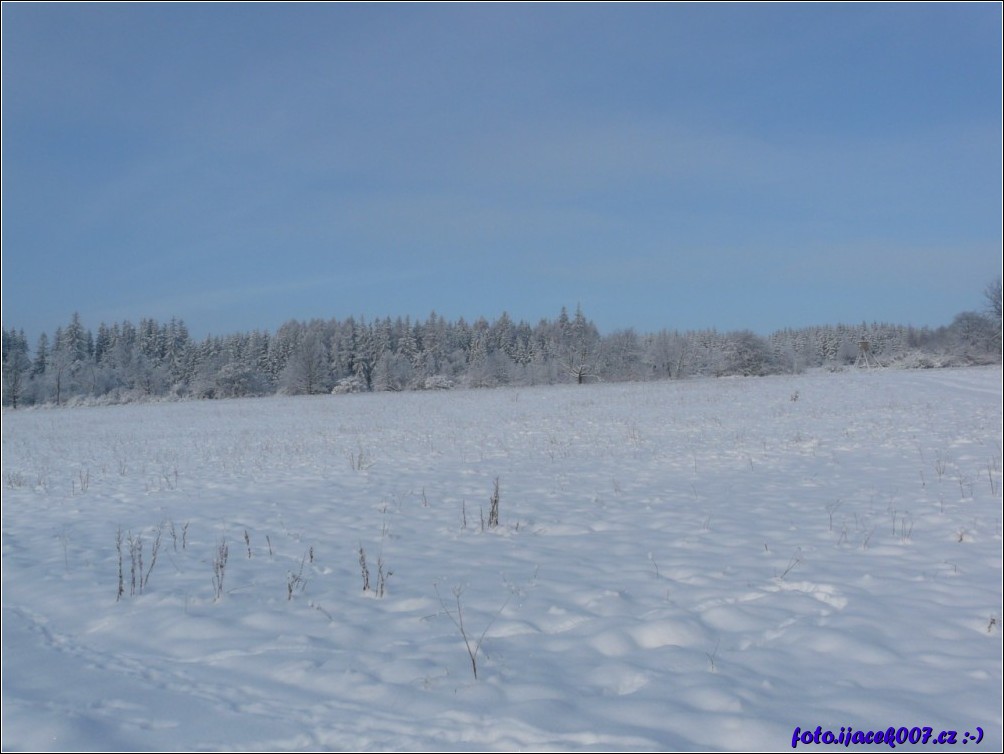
{"x": 677, "y": 565}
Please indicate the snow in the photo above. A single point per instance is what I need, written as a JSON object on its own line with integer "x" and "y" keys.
{"x": 703, "y": 564}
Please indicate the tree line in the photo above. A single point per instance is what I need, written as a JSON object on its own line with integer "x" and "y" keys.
{"x": 156, "y": 360}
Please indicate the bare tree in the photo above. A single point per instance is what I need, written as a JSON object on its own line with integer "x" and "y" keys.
{"x": 992, "y": 293}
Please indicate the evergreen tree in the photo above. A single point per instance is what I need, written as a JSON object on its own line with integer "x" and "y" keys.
{"x": 41, "y": 356}
{"x": 580, "y": 353}
{"x": 16, "y": 367}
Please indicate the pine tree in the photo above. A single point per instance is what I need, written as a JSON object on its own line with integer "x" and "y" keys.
{"x": 41, "y": 356}
{"x": 16, "y": 367}
{"x": 581, "y": 351}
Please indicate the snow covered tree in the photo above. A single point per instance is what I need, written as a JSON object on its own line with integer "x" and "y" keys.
{"x": 68, "y": 360}
{"x": 620, "y": 356}
{"x": 364, "y": 355}
{"x": 306, "y": 371}
{"x": 16, "y": 367}
{"x": 976, "y": 334}
{"x": 343, "y": 344}
{"x": 178, "y": 354}
{"x": 478, "y": 372}
{"x": 579, "y": 354}
{"x": 393, "y": 371}
{"x": 434, "y": 342}
{"x": 281, "y": 347}
{"x": 992, "y": 295}
{"x": 41, "y": 356}
{"x": 747, "y": 354}
{"x": 661, "y": 354}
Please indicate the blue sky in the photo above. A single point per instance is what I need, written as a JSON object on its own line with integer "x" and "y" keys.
{"x": 682, "y": 166}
